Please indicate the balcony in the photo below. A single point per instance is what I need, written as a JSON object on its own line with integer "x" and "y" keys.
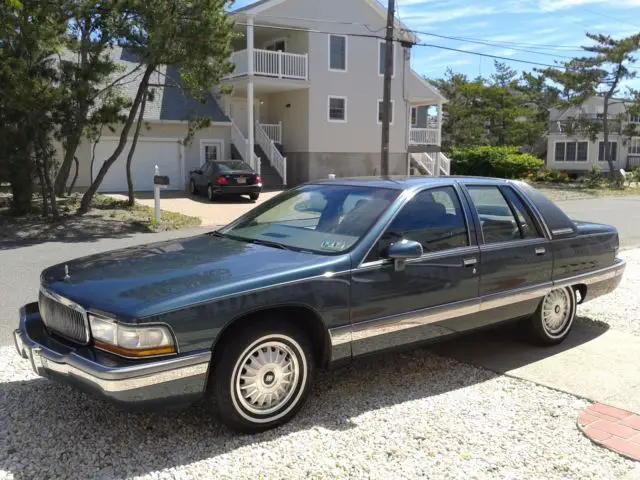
{"x": 425, "y": 136}
{"x": 267, "y": 63}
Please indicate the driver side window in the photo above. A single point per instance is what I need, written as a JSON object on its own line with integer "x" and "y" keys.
{"x": 434, "y": 218}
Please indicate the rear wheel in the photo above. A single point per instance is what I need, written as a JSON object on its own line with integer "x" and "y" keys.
{"x": 254, "y": 196}
{"x": 193, "y": 190}
{"x": 210, "y": 195}
{"x": 554, "y": 317}
{"x": 261, "y": 376}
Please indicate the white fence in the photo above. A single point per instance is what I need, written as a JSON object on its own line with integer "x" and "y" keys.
{"x": 272, "y": 64}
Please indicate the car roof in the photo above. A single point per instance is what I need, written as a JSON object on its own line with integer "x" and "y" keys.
{"x": 403, "y": 182}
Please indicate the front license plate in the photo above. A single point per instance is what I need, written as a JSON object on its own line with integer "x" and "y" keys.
{"x": 242, "y": 180}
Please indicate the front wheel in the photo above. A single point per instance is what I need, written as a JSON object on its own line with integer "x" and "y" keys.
{"x": 552, "y": 321}
{"x": 193, "y": 190}
{"x": 261, "y": 376}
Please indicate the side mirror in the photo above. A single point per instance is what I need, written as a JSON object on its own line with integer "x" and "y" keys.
{"x": 403, "y": 250}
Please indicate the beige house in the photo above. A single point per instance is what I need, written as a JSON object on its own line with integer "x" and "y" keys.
{"x": 306, "y": 103}
{"x": 570, "y": 149}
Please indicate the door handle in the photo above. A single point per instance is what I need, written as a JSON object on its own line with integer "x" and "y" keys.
{"x": 469, "y": 262}
{"x": 541, "y": 251}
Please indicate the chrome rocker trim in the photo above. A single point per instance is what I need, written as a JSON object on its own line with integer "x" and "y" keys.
{"x": 371, "y": 328}
{"x": 146, "y": 382}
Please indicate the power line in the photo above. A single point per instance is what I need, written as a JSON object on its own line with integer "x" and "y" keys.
{"x": 459, "y": 39}
{"x": 419, "y": 44}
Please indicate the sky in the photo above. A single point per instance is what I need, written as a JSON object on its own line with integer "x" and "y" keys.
{"x": 555, "y": 29}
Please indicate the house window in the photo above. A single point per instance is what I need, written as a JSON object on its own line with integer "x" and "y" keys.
{"x": 337, "y": 109}
{"x": 614, "y": 151}
{"x": 338, "y": 53}
{"x": 571, "y": 151}
{"x": 381, "y": 109}
{"x": 382, "y": 51}
{"x": 634, "y": 146}
{"x": 634, "y": 118}
{"x": 414, "y": 116}
{"x": 276, "y": 46}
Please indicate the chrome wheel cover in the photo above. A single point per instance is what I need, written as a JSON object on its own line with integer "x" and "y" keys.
{"x": 266, "y": 378}
{"x": 192, "y": 187}
{"x": 210, "y": 192}
{"x": 557, "y": 311}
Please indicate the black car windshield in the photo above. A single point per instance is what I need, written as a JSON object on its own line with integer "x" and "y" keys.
{"x": 323, "y": 218}
{"x": 233, "y": 166}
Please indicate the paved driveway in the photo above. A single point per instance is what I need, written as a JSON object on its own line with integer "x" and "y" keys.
{"x": 215, "y": 213}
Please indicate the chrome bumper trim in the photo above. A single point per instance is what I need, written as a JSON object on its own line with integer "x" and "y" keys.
{"x": 108, "y": 379}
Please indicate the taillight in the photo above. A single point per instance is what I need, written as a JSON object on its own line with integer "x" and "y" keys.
{"x": 258, "y": 179}
{"x": 222, "y": 181}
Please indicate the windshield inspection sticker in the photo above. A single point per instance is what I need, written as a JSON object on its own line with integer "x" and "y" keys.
{"x": 333, "y": 245}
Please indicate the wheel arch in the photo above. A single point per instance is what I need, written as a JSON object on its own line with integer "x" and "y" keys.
{"x": 307, "y": 318}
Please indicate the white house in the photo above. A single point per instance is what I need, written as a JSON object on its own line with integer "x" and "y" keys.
{"x": 306, "y": 102}
{"x": 569, "y": 148}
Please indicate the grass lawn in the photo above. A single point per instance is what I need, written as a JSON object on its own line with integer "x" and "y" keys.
{"x": 108, "y": 217}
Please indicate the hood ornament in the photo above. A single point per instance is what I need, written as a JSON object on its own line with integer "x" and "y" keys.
{"x": 66, "y": 272}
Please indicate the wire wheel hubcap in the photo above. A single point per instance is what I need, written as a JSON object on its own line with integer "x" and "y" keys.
{"x": 556, "y": 311}
{"x": 266, "y": 377}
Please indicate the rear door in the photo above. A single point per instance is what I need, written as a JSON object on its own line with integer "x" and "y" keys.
{"x": 515, "y": 258}
{"x": 393, "y": 307}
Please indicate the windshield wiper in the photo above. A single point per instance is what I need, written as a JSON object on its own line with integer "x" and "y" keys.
{"x": 267, "y": 243}
{"x": 217, "y": 234}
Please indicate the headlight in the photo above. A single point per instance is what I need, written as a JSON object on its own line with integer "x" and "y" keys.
{"x": 131, "y": 340}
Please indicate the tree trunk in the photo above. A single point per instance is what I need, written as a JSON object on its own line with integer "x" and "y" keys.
{"x": 21, "y": 185}
{"x": 85, "y": 204}
{"x": 75, "y": 177}
{"x": 134, "y": 142}
{"x": 71, "y": 143}
{"x": 605, "y": 132}
{"x": 45, "y": 152}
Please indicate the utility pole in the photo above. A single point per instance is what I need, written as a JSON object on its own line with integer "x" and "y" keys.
{"x": 386, "y": 97}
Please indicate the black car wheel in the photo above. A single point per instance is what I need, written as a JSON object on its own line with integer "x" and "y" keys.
{"x": 262, "y": 376}
{"x": 254, "y": 196}
{"x": 554, "y": 317}
{"x": 192, "y": 188}
{"x": 210, "y": 195}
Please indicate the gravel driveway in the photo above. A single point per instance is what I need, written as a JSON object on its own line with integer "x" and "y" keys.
{"x": 399, "y": 416}
{"x": 620, "y": 309}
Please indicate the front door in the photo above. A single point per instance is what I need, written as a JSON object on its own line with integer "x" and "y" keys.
{"x": 516, "y": 260}
{"x": 393, "y": 307}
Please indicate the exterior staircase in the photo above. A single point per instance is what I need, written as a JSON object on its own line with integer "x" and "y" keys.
{"x": 271, "y": 179}
{"x": 434, "y": 164}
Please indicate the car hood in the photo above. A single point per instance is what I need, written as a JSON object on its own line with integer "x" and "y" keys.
{"x": 151, "y": 279}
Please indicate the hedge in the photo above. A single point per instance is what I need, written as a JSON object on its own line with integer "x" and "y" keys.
{"x": 487, "y": 161}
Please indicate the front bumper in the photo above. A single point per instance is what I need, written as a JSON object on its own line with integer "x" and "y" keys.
{"x": 152, "y": 383}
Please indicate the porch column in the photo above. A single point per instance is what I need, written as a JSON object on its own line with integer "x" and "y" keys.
{"x": 250, "y": 99}
{"x": 439, "y": 135}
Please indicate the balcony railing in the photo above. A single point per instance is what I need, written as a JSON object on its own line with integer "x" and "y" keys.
{"x": 424, "y": 136}
{"x": 271, "y": 64}
{"x": 273, "y": 131}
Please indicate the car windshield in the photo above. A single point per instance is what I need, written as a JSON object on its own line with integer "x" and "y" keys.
{"x": 325, "y": 219}
{"x": 233, "y": 165}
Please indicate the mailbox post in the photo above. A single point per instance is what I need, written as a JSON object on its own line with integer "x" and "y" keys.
{"x": 159, "y": 181}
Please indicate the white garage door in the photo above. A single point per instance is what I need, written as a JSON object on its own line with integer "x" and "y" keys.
{"x": 148, "y": 154}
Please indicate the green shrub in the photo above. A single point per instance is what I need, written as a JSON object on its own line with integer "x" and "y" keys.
{"x": 594, "y": 178}
{"x": 635, "y": 174}
{"x": 487, "y": 161}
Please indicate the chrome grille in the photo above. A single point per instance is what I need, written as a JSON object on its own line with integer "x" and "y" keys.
{"x": 64, "y": 318}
